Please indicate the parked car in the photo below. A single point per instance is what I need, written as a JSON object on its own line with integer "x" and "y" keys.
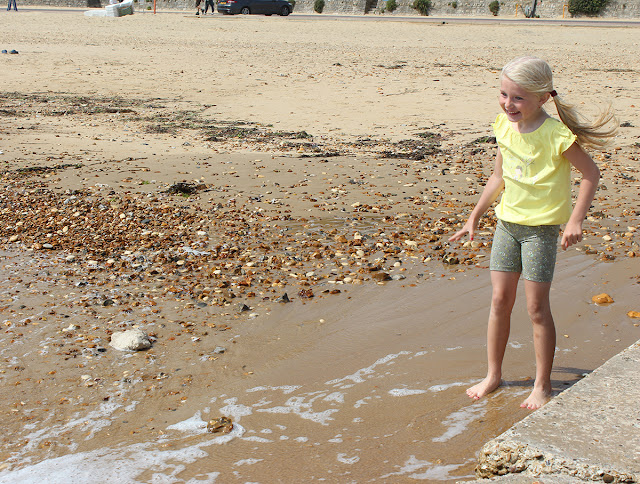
{"x": 263, "y": 7}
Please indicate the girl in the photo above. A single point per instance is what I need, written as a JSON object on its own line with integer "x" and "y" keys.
{"x": 532, "y": 171}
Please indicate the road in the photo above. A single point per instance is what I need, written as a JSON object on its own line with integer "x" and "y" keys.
{"x": 569, "y": 22}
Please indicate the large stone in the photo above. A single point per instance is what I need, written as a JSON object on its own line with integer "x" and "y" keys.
{"x": 130, "y": 340}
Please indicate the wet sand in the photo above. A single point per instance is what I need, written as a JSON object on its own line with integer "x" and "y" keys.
{"x": 181, "y": 175}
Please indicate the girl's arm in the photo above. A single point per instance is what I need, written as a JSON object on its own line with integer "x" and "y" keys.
{"x": 590, "y": 176}
{"x": 490, "y": 193}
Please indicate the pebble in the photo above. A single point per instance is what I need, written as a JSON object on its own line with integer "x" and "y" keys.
{"x": 602, "y": 299}
{"x": 220, "y": 425}
{"x": 381, "y": 276}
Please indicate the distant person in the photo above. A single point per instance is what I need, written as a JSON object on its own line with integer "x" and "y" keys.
{"x": 198, "y": 7}
{"x": 532, "y": 171}
{"x": 207, "y": 4}
{"x": 12, "y": 2}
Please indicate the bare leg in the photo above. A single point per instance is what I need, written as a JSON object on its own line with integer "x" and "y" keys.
{"x": 503, "y": 298}
{"x": 544, "y": 341}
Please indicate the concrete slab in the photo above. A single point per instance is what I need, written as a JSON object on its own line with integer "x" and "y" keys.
{"x": 523, "y": 479}
{"x": 590, "y": 432}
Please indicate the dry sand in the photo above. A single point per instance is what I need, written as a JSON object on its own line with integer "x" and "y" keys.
{"x": 328, "y": 160}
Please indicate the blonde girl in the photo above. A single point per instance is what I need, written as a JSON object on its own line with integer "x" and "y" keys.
{"x": 532, "y": 172}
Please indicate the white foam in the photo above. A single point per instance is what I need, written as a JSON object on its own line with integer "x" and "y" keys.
{"x": 89, "y": 423}
{"x": 194, "y": 424}
{"x": 446, "y": 386}
{"x": 403, "y": 392}
{"x": 347, "y": 460}
{"x": 359, "y": 376}
{"x": 207, "y": 478}
{"x": 120, "y": 465}
{"x": 460, "y": 420}
{"x": 262, "y": 402}
{"x": 234, "y": 410}
{"x": 334, "y": 397}
{"x": 245, "y": 462}
{"x": 304, "y": 412}
{"x": 286, "y": 389}
{"x": 255, "y": 438}
{"x": 362, "y": 402}
{"x": 413, "y": 466}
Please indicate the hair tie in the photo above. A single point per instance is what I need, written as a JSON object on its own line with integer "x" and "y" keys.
{"x": 553, "y": 93}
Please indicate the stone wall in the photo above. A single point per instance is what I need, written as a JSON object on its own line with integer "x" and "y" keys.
{"x": 626, "y": 9}
{"x": 623, "y": 9}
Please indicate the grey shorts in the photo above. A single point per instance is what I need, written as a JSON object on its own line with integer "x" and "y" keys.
{"x": 528, "y": 250}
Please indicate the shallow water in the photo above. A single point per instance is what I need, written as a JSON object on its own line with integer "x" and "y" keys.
{"x": 365, "y": 387}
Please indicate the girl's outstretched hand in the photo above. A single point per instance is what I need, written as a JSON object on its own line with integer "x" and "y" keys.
{"x": 571, "y": 235}
{"x": 467, "y": 229}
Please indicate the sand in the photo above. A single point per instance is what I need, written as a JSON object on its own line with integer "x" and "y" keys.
{"x": 181, "y": 175}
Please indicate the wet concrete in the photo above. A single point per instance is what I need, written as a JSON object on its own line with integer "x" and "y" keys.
{"x": 590, "y": 432}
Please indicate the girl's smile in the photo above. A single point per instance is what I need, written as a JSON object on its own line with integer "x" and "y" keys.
{"x": 521, "y": 106}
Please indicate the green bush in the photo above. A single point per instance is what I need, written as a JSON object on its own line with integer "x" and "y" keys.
{"x": 318, "y": 6}
{"x": 494, "y": 7}
{"x": 589, "y": 7}
{"x": 422, "y": 6}
{"x": 391, "y": 5}
{"x": 454, "y": 4}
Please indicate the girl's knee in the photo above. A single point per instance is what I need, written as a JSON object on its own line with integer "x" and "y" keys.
{"x": 502, "y": 302}
{"x": 539, "y": 313}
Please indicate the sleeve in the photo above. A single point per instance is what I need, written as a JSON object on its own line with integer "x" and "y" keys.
{"x": 498, "y": 125}
{"x": 564, "y": 138}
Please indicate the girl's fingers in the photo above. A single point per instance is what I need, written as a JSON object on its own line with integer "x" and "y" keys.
{"x": 568, "y": 240}
{"x": 458, "y": 235}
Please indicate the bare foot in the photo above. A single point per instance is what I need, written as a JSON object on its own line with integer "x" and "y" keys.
{"x": 538, "y": 397}
{"x": 483, "y": 388}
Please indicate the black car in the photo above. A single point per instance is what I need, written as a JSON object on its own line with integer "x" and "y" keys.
{"x": 263, "y": 7}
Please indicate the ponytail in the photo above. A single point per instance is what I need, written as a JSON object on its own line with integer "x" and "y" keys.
{"x": 593, "y": 134}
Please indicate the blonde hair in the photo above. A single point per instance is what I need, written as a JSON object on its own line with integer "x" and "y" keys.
{"x": 535, "y": 76}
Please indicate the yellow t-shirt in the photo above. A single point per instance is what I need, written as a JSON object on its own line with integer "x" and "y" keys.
{"x": 537, "y": 177}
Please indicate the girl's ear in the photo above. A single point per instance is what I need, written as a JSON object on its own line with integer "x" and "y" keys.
{"x": 544, "y": 98}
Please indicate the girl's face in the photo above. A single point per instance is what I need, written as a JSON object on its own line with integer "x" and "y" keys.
{"x": 520, "y": 105}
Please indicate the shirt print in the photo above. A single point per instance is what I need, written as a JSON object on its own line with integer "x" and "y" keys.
{"x": 518, "y": 166}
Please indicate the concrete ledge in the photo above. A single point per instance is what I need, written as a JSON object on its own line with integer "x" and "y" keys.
{"x": 590, "y": 432}
{"x": 523, "y": 479}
